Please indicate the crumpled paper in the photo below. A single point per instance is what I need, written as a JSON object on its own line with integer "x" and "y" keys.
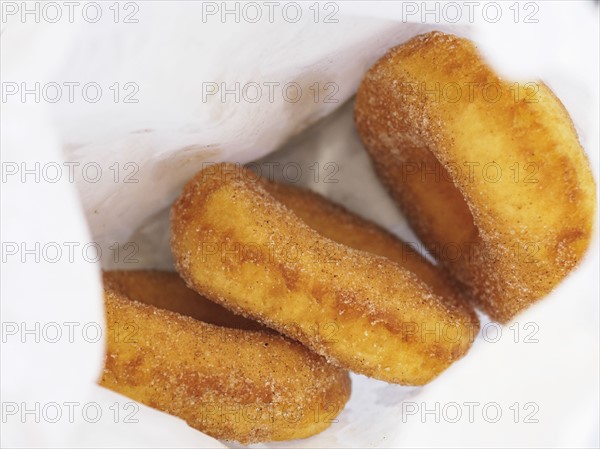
{"x": 171, "y": 55}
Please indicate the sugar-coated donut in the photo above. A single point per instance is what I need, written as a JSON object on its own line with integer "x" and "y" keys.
{"x": 338, "y": 224}
{"x": 234, "y": 380}
{"x": 285, "y": 257}
{"x": 490, "y": 173}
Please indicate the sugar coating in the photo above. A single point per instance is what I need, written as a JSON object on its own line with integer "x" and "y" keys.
{"x": 524, "y": 231}
{"x": 235, "y": 381}
{"x": 359, "y": 309}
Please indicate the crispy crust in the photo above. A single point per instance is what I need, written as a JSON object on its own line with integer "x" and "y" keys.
{"x": 234, "y": 384}
{"x": 517, "y": 234}
{"x": 242, "y": 243}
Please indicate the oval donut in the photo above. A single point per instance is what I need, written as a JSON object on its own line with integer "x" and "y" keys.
{"x": 249, "y": 245}
{"x": 490, "y": 173}
{"x": 226, "y": 376}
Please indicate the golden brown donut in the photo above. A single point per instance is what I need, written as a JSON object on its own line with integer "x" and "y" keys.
{"x": 242, "y": 243}
{"x": 338, "y": 224}
{"x": 490, "y": 173}
{"x": 234, "y": 381}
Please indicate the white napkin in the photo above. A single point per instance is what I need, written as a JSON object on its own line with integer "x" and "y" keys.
{"x": 172, "y": 55}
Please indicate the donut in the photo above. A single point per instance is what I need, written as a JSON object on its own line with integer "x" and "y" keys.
{"x": 250, "y": 245}
{"x": 489, "y": 172}
{"x": 172, "y": 349}
{"x": 333, "y": 221}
